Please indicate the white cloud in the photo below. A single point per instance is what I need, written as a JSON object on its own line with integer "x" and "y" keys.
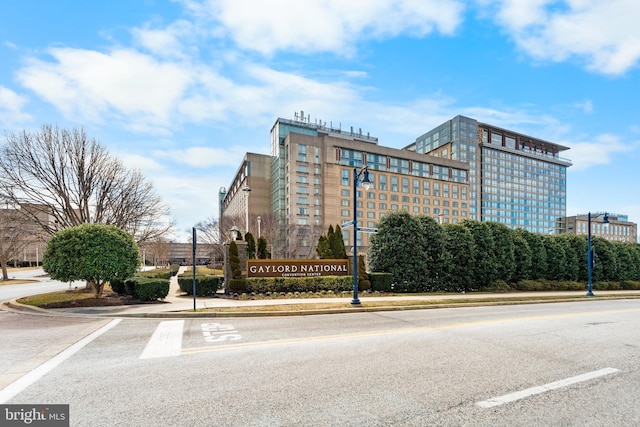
{"x": 203, "y": 157}
{"x": 604, "y": 34}
{"x": 601, "y": 152}
{"x": 11, "y": 105}
{"x": 327, "y": 25}
{"x": 88, "y": 84}
{"x": 169, "y": 41}
{"x": 585, "y": 106}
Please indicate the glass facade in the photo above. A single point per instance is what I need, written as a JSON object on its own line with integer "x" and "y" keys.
{"x": 522, "y": 192}
{"x": 513, "y": 179}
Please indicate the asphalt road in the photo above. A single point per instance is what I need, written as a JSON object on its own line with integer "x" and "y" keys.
{"x": 563, "y": 364}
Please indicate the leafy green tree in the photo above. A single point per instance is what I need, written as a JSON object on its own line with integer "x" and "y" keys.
{"x": 556, "y": 258}
{"x": 605, "y": 266}
{"x": 503, "y": 251}
{"x": 574, "y": 251}
{"x": 251, "y": 245}
{"x": 460, "y": 253}
{"x": 262, "y": 248}
{"x": 234, "y": 261}
{"x": 538, "y": 255}
{"x": 336, "y": 242}
{"x": 432, "y": 254}
{"x": 324, "y": 250}
{"x": 484, "y": 268}
{"x": 397, "y": 248}
{"x": 96, "y": 253}
{"x": 634, "y": 266}
{"x": 522, "y": 256}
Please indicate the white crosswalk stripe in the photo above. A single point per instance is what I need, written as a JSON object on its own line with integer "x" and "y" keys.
{"x": 166, "y": 340}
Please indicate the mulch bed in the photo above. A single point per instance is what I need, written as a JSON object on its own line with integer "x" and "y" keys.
{"x": 109, "y": 298}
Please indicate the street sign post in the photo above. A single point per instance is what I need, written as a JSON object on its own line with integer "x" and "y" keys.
{"x": 368, "y": 229}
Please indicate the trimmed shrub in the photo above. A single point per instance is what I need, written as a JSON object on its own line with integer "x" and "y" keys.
{"x": 118, "y": 287}
{"x": 299, "y": 284}
{"x": 147, "y": 289}
{"x": 156, "y": 273}
{"x": 238, "y": 286}
{"x": 174, "y": 268}
{"x": 206, "y": 286}
{"x": 497, "y": 286}
{"x": 630, "y": 285}
{"x": 381, "y": 282}
{"x": 364, "y": 284}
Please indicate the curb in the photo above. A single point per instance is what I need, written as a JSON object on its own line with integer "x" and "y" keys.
{"x": 15, "y": 306}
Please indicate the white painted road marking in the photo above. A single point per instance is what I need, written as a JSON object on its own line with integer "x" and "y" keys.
{"x": 218, "y": 332}
{"x": 21, "y": 384}
{"x": 512, "y": 397}
{"x": 166, "y": 340}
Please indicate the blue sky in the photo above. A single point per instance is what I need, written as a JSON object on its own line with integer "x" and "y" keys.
{"x": 182, "y": 89}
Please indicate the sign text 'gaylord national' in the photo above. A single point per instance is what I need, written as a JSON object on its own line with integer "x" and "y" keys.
{"x": 297, "y": 267}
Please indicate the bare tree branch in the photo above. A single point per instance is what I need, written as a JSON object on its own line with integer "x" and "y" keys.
{"x": 61, "y": 178}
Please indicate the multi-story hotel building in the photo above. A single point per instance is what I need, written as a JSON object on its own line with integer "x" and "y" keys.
{"x": 461, "y": 169}
{"x": 619, "y": 228}
{"x": 514, "y": 179}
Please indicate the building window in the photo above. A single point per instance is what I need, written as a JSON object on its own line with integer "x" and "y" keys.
{"x": 302, "y": 200}
{"x": 345, "y": 202}
{"x": 405, "y": 185}
{"x": 345, "y": 177}
{"x": 302, "y": 153}
{"x": 303, "y": 211}
{"x": 394, "y": 183}
{"x": 371, "y": 205}
{"x": 383, "y": 182}
{"x": 346, "y": 213}
{"x": 302, "y": 190}
{"x": 383, "y": 206}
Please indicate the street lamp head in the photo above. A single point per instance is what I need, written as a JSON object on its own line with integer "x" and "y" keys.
{"x": 235, "y": 231}
{"x": 366, "y": 183}
{"x": 246, "y": 188}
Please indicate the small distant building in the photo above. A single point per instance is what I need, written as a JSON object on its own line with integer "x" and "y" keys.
{"x": 619, "y": 228}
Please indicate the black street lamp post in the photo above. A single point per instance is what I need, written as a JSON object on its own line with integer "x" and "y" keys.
{"x": 364, "y": 172}
{"x": 605, "y": 220}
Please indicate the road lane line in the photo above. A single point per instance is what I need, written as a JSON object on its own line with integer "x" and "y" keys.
{"x": 166, "y": 340}
{"x": 512, "y": 397}
{"x": 22, "y": 383}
